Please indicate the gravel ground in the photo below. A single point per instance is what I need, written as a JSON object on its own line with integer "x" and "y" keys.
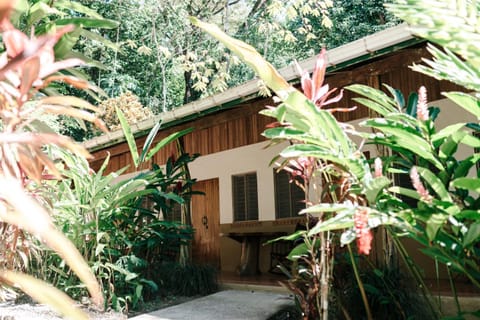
{"x": 27, "y": 311}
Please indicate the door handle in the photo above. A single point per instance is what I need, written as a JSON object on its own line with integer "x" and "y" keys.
{"x": 205, "y": 222}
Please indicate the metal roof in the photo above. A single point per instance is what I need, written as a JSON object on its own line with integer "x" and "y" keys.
{"x": 377, "y": 44}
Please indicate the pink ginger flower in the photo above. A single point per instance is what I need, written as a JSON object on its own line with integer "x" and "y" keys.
{"x": 301, "y": 167}
{"x": 364, "y": 234}
{"x": 418, "y": 185}
{"x": 422, "y": 108}
{"x": 378, "y": 168}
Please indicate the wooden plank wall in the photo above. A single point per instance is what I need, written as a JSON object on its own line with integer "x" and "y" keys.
{"x": 243, "y": 125}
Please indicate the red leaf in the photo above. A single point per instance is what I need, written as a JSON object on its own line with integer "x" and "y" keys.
{"x": 15, "y": 42}
{"x": 319, "y": 72}
{"x": 5, "y": 8}
{"x": 30, "y": 70}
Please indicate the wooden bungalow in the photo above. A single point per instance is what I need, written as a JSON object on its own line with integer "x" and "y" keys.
{"x": 246, "y": 202}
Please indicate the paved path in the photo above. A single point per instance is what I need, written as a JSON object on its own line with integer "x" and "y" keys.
{"x": 225, "y": 305}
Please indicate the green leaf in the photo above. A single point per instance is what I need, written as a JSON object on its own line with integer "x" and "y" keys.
{"x": 380, "y": 102}
{"x": 299, "y": 251}
{"x": 402, "y": 136}
{"x": 99, "y": 249}
{"x": 435, "y": 183}
{"x": 397, "y": 95}
{"x": 291, "y": 134}
{"x": 127, "y": 131}
{"x": 446, "y": 132}
{"x": 412, "y": 104}
{"x": 148, "y": 142}
{"x": 376, "y": 107}
{"x": 468, "y": 214}
{"x": 472, "y": 184}
{"x": 76, "y": 6}
{"x": 472, "y": 235}
{"x": 306, "y": 150}
{"x": 471, "y": 141}
{"x": 129, "y": 276}
{"x": 150, "y": 283}
{"x": 89, "y": 61}
{"x": 434, "y": 223}
{"x": 465, "y": 165}
{"x": 98, "y": 37}
{"x": 66, "y": 43}
{"x": 89, "y": 23}
{"x": 250, "y": 56}
{"x": 405, "y": 192}
{"x": 342, "y": 220}
{"x": 174, "y": 136}
{"x": 291, "y": 237}
{"x": 347, "y": 237}
{"x": 375, "y": 187}
{"x": 40, "y": 10}
{"x": 328, "y": 207}
{"x": 450, "y": 146}
{"x": 466, "y": 101}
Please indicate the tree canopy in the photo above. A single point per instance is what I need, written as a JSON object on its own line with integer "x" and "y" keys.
{"x": 155, "y": 53}
{"x": 168, "y": 63}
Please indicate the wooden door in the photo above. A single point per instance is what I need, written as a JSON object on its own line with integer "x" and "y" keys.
{"x": 206, "y": 221}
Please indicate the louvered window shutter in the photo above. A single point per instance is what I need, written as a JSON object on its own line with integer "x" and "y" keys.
{"x": 289, "y": 198}
{"x": 245, "y": 197}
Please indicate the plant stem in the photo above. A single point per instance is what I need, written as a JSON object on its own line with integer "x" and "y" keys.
{"x": 454, "y": 291}
{"x": 360, "y": 284}
{"x": 412, "y": 268}
{"x": 437, "y": 275}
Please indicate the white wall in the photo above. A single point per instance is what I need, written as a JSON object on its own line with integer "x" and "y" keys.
{"x": 251, "y": 158}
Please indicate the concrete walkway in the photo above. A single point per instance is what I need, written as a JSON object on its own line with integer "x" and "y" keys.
{"x": 225, "y": 305}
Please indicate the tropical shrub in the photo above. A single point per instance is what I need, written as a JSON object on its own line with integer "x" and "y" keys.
{"x": 119, "y": 237}
{"x": 27, "y": 66}
{"x": 186, "y": 280}
{"x": 357, "y": 196}
{"x": 87, "y": 206}
{"x": 122, "y": 227}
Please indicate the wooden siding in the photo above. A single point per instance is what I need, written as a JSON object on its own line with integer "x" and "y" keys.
{"x": 243, "y": 125}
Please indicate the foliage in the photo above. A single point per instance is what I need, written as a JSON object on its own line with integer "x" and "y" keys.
{"x": 188, "y": 280}
{"x": 120, "y": 240}
{"x": 26, "y": 71}
{"x": 133, "y": 109}
{"x": 444, "y": 219}
{"x": 46, "y": 16}
{"x": 165, "y": 62}
{"x": 354, "y": 19}
{"x": 322, "y": 137}
{"x": 42, "y": 17}
{"x": 147, "y": 153}
{"x": 173, "y": 183}
{"x": 119, "y": 225}
{"x": 390, "y": 293}
{"x": 184, "y": 64}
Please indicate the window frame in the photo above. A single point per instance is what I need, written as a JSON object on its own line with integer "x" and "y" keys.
{"x": 249, "y": 202}
{"x": 295, "y": 203}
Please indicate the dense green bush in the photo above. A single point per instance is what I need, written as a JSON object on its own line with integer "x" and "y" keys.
{"x": 121, "y": 241}
{"x": 188, "y": 280}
